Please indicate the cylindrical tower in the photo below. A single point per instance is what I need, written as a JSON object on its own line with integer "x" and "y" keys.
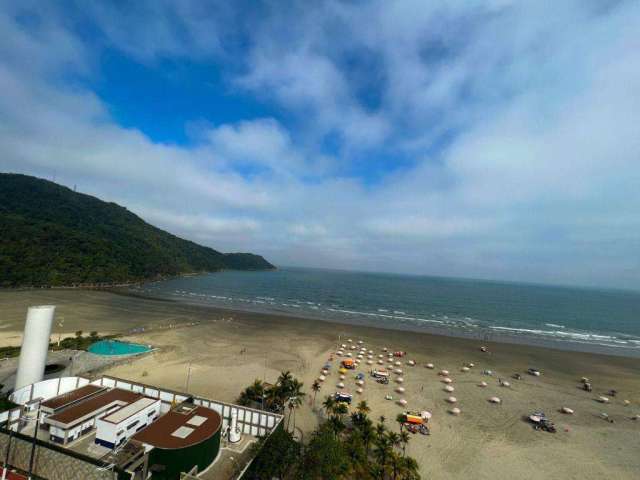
{"x": 35, "y": 345}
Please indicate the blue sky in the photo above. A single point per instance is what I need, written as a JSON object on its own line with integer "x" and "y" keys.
{"x": 494, "y": 139}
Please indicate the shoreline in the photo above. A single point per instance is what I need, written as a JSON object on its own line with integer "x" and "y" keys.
{"x": 481, "y": 334}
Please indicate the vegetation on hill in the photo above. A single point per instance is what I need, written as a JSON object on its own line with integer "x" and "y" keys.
{"x": 53, "y": 236}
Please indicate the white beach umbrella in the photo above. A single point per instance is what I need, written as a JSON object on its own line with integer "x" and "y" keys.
{"x": 349, "y": 354}
{"x": 400, "y": 389}
{"x": 399, "y": 380}
{"x": 380, "y": 356}
{"x": 322, "y": 378}
{"x": 385, "y": 349}
{"x": 398, "y": 371}
{"x": 402, "y": 402}
{"x": 506, "y": 384}
{"x": 430, "y": 366}
{"x": 360, "y": 357}
{"x": 369, "y": 357}
{"x": 444, "y": 373}
{"x": 452, "y": 399}
{"x": 397, "y": 364}
{"x": 390, "y": 366}
{"x": 449, "y": 388}
{"x": 360, "y": 382}
{"x": 567, "y": 410}
{"x": 342, "y": 377}
{"x": 470, "y": 365}
{"x": 603, "y": 399}
{"x": 447, "y": 380}
{"x": 495, "y": 400}
{"x": 370, "y": 352}
{"x": 380, "y": 362}
{"x": 359, "y": 390}
{"x": 369, "y": 362}
{"x": 353, "y": 347}
{"x": 482, "y": 384}
{"x": 465, "y": 369}
{"x": 343, "y": 345}
{"x": 349, "y": 341}
{"x": 360, "y": 342}
{"x": 626, "y": 403}
{"x": 325, "y": 372}
{"x": 340, "y": 385}
{"x": 455, "y": 411}
{"x": 411, "y": 363}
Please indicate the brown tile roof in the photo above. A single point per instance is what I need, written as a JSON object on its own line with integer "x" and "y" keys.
{"x": 72, "y": 396}
{"x": 159, "y": 433}
{"x": 93, "y": 404}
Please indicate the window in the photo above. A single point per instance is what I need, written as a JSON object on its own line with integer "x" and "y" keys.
{"x": 131, "y": 425}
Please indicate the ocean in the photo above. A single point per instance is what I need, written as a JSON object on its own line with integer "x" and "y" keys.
{"x": 583, "y": 319}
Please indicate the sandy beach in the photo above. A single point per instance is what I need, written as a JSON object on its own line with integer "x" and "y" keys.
{"x": 485, "y": 441}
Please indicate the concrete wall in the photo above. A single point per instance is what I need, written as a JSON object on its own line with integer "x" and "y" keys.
{"x": 47, "y": 389}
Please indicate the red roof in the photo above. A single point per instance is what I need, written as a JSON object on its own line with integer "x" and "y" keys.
{"x": 13, "y": 475}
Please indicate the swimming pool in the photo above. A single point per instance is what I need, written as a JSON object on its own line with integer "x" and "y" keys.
{"x": 114, "y": 347}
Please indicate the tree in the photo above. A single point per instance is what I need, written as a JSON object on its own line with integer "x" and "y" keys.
{"x": 275, "y": 456}
{"x": 329, "y": 405}
{"x": 93, "y": 335}
{"x": 325, "y": 457}
{"x": 401, "y": 418}
{"x": 363, "y": 407}
{"x": 79, "y": 334}
{"x": 315, "y": 386}
{"x": 404, "y": 439}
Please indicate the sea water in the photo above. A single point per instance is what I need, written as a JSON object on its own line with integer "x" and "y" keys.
{"x": 568, "y": 318}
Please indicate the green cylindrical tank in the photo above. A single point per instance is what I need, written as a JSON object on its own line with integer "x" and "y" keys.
{"x": 175, "y": 461}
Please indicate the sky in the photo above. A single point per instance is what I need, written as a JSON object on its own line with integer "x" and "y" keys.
{"x": 488, "y": 139}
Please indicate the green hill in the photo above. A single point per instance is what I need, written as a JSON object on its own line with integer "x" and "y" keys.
{"x": 53, "y": 236}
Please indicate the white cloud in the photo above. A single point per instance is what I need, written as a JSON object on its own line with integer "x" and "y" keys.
{"x": 520, "y": 121}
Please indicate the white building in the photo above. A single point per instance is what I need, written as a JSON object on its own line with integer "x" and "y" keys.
{"x": 117, "y": 427}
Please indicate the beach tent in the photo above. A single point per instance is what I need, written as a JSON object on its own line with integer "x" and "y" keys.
{"x": 348, "y": 363}
{"x": 414, "y": 419}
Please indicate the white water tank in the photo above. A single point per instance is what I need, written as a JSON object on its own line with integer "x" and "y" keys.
{"x": 234, "y": 431}
{"x": 35, "y": 345}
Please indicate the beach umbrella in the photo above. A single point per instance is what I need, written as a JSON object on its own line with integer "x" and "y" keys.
{"x": 400, "y": 389}
{"x": 626, "y": 403}
{"x": 360, "y": 382}
{"x": 369, "y": 362}
{"x": 411, "y": 362}
{"x": 455, "y": 411}
{"x": 397, "y": 364}
{"x": 465, "y": 369}
{"x": 430, "y": 365}
{"x": 360, "y": 357}
{"x": 385, "y": 349}
{"x": 359, "y": 390}
{"x": 449, "y": 388}
{"x": 482, "y": 384}
{"x": 495, "y": 400}
{"x": 584, "y": 380}
{"x": 402, "y": 402}
{"x": 470, "y": 365}
{"x": 342, "y": 377}
{"x": 369, "y": 357}
{"x": 635, "y": 417}
{"x": 349, "y": 341}
{"x": 349, "y": 354}
{"x": 322, "y": 378}
{"x": 444, "y": 373}
{"x": 325, "y": 372}
{"x": 353, "y": 347}
{"x": 452, "y": 399}
{"x": 340, "y": 385}
{"x": 603, "y": 399}
{"x": 371, "y": 352}
{"x": 360, "y": 342}
{"x": 380, "y": 362}
{"x": 506, "y": 384}
{"x": 425, "y": 415}
{"x": 339, "y": 352}
{"x": 380, "y": 356}
{"x": 446, "y": 380}
{"x": 567, "y": 410}
{"x": 399, "y": 380}
{"x": 398, "y": 371}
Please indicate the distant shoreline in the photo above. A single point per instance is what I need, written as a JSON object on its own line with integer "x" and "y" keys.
{"x": 482, "y": 336}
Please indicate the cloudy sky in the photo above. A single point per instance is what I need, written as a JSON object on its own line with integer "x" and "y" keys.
{"x": 493, "y": 139}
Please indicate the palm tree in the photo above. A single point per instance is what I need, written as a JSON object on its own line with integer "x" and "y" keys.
{"x": 404, "y": 438}
{"x": 315, "y": 386}
{"x": 294, "y": 403}
{"x": 401, "y": 418}
{"x": 336, "y": 425}
{"x": 368, "y": 433}
{"x": 329, "y": 405}
{"x": 409, "y": 469}
{"x": 382, "y": 451}
{"x": 394, "y": 439}
{"x": 363, "y": 407}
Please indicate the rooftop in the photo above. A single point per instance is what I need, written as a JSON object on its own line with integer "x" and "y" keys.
{"x": 181, "y": 427}
{"x": 98, "y": 402}
{"x": 129, "y": 410}
{"x": 73, "y": 396}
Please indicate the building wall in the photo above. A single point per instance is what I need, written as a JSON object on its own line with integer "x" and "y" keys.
{"x": 185, "y": 459}
{"x": 109, "y": 434}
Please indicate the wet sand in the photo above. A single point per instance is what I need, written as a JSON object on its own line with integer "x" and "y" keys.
{"x": 485, "y": 441}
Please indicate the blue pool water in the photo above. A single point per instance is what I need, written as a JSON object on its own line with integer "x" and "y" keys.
{"x": 114, "y": 347}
